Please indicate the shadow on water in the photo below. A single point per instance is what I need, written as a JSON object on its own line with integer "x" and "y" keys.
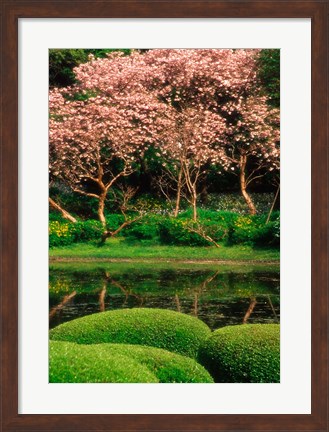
{"x": 219, "y": 295}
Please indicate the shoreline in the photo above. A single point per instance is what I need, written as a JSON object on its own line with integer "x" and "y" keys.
{"x": 163, "y": 260}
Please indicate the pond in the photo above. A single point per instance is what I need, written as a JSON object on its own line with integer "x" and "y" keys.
{"x": 217, "y": 294}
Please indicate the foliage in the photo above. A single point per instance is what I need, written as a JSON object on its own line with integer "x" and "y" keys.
{"x": 166, "y": 366}
{"x": 72, "y": 363}
{"x": 243, "y": 353}
{"x": 113, "y": 221}
{"x": 269, "y": 74}
{"x": 223, "y": 227}
{"x": 254, "y": 231}
{"x": 63, "y": 61}
{"x": 66, "y": 233}
{"x": 174, "y": 231}
{"x": 166, "y": 329}
{"x": 145, "y": 229}
{"x": 60, "y": 234}
{"x": 61, "y": 64}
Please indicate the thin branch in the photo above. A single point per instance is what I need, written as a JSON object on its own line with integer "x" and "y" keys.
{"x": 92, "y": 195}
{"x": 200, "y": 231}
{"x": 254, "y": 178}
{"x": 108, "y": 234}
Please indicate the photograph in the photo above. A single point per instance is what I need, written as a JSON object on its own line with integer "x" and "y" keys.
{"x": 164, "y": 215}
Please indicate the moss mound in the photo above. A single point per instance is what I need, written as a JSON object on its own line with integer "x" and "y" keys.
{"x": 172, "y": 331}
{"x": 72, "y": 363}
{"x": 168, "y": 367}
{"x": 244, "y": 353}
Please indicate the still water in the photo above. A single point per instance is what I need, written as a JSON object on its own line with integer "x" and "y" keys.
{"x": 219, "y": 295}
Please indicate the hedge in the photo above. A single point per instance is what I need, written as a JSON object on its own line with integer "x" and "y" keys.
{"x": 248, "y": 353}
{"x": 168, "y": 367}
{"x": 72, "y": 363}
{"x": 159, "y": 328}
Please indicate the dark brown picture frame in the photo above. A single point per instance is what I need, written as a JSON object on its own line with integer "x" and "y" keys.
{"x": 12, "y": 10}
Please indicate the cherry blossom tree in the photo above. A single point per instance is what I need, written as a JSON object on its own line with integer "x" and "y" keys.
{"x": 178, "y": 76}
{"x": 194, "y": 141}
{"x": 95, "y": 142}
{"x": 196, "y": 106}
{"x": 252, "y": 140}
{"x": 197, "y": 84}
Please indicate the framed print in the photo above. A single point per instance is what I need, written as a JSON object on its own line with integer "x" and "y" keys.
{"x": 169, "y": 236}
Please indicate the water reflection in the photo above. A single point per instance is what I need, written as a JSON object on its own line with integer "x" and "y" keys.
{"x": 219, "y": 296}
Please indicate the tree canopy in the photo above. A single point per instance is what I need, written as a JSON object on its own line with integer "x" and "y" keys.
{"x": 198, "y": 109}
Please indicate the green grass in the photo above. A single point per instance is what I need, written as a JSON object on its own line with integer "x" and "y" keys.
{"x": 72, "y": 363}
{"x": 248, "y": 353}
{"x": 118, "y": 248}
{"x": 159, "y": 328}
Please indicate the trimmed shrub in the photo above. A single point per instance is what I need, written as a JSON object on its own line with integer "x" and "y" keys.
{"x": 159, "y": 328}
{"x": 60, "y": 233}
{"x": 248, "y": 353}
{"x": 145, "y": 229}
{"x": 254, "y": 231}
{"x": 87, "y": 230}
{"x": 168, "y": 367}
{"x": 114, "y": 220}
{"x": 174, "y": 231}
{"x": 177, "y": 230}
{"x": 65, "y": 233}
{"x": 72, "y": 363}
{"x": 221, "y": 226}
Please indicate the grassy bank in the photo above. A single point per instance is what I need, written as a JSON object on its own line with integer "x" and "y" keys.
{"x": 119, "y": 249}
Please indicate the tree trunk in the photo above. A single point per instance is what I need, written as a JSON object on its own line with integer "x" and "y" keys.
{"x": 273, "y": 204}
{"x": 100, "y": 212}
{"x": 179, "y": 190}
{"x": 64, "y": 213}
{"x": 194, "y": 204}
{"x": 243, "y": 185}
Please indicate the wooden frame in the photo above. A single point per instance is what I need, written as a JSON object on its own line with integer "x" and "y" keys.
{"x": 12, "y": 10}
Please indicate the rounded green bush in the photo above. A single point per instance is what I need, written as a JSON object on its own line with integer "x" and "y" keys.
{"x": 243, "y": 353}
{"x": 168, "y": 367}
{"x": 159, "y": 328}
{"x": 72, "y": 363}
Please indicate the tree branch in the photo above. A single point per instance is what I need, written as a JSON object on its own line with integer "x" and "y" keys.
{"x": 64, "y": 213}
{"x": 85, "y": 193}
